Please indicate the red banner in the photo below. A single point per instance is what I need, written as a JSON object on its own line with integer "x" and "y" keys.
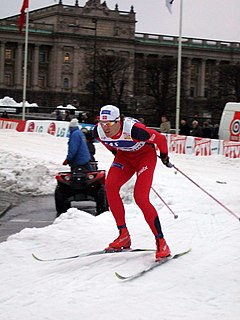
{"x": 18, "y": 125}
{"x": 202, "y": 147}
{"x": 178, "y": 143}
{"x": 231, "y": 149}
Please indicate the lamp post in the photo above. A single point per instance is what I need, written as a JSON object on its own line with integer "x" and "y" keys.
{"x": 94, "y": 20}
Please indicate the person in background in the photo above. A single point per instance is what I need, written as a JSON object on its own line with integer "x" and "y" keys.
{"x": 141, "y": 120}
{"x": 133, "y": 145}
{"x": 184, "y": 127}
{"x": 96, "y": 120}
{"x": 67, "y": 116}
{"x": 58, "y": 115}
{"x": 165, "y": 125}
{"x": 85, "y": 117}
{"x": 90, "y": 139}
{"x": 78, "y": 154}
{"x": 215, "y": 131}
{"x": 91, "y": 147}
{"x": 5, "y": 115}
{"x": 207, "y": 130}
{"x": 196, "y": 130}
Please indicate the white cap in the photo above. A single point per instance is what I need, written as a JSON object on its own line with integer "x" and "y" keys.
{"x": 73, "y": 123}
{"x": 109, "y": 113}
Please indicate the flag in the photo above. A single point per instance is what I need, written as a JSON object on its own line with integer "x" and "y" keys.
{"x": 169, "y": 4}
{"x": 22, "y": 15}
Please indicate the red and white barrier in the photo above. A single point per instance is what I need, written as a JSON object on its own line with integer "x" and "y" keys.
{"x": 193, "y": 145}
{"x": 13, "y": 124}
{"x": 55, "y": 128}
{"x": 177, "y": 143}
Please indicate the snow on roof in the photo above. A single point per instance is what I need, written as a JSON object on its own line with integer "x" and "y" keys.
{"x": 10, "y": 102}
{"x": 69, "y": 106}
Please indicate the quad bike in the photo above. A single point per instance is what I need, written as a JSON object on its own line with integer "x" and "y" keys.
{"x": 81, "y": 185}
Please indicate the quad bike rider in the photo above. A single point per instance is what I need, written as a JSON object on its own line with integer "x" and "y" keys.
{"x": 84, "y": 182}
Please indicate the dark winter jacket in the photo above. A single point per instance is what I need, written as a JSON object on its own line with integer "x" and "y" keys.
{"x": 92, "y": 150}
{"x": 78, "y": 153}
{"x": 184, "y": 130}
{"x": 196, "y": 132}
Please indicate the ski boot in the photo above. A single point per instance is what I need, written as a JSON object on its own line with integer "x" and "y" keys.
{"x": 162, "y": 249}
{"x": 123, "y": 241}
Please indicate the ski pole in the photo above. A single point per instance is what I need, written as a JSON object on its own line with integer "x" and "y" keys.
{"x": 227, "y": 209}
{"x": 175, "y": 215}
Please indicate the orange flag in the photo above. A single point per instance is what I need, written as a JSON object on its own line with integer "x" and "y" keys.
{"x": 22, "y": 15}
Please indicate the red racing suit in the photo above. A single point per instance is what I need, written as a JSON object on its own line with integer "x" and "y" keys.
{"x": 134, "y": 149}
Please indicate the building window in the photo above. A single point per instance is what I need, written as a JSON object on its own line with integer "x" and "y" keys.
{"x": 29, "y": 78}
{"x": 9, "y": 54}
{"x": 66, "y": 57}
{"x": 42, "y": 81}
{"x": 206, "y": 92}
{"x": 30, "y": 54}
{"x": 43, "y": 56}
{"x": 8, "y": 79}
{"x": 192, "y": 92}
{"x": 194, "y": 70}
{"x": 207, "y": 71}
{"x": 66, "y": 83}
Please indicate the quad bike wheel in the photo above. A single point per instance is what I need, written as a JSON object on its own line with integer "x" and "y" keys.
{"x": 101, "y": 200}
{"x": 60, "y": 202}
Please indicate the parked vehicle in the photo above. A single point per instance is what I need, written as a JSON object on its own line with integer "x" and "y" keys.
{"x": 229, "y": 128}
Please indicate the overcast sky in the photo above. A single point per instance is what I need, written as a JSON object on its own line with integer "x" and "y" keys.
{"x": 208, "y": 19}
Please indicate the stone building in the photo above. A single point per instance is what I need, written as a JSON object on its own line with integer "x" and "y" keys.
{"x": 63, "y": 37}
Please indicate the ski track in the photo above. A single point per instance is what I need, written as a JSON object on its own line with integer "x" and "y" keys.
{"x": 203, "y": 285}
{"x": 85, "y": 277}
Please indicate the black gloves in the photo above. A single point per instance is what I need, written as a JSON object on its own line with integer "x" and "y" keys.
{"x": 166, "y": 162}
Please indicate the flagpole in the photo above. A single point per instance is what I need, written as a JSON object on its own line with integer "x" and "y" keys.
{"x": 179, "y": 69}
{"x": 25, "y": 64}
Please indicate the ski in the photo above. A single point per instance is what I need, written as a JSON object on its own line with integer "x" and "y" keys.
{"x": 92, "y": 253}
{"x": 151, "y": 266}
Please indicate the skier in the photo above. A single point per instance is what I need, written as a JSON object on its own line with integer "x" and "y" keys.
{"x": 132, "y": 143}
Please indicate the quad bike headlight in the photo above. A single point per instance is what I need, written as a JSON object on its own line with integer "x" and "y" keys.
{"x": 67, "y": 178}
{"x": 91, "y": 176}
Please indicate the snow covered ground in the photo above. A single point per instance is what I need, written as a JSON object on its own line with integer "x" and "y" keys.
{"x": 204, "y": 284}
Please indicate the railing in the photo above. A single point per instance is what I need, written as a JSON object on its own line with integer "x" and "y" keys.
{"x": 45, "y": 28}
{"x": 189, "y": 42}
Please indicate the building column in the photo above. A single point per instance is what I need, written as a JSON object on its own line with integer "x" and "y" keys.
{"x": 35, "y": 66}
{"x": 75, "y": 69}
{"x": 19, "y": 67}
{"x": 188, "y": 78}
{"x": 58, "y": 68}
{"x": 55, "y": 68}
{"x": 217, "y": 73}
{"x": 131, "y": 73}
{"x": 201, "y": 89}
{"x": 2, "y": 62}
{"x": 51, "y": 77}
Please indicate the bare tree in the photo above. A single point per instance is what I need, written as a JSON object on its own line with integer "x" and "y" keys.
{"x": 111, "y": 77}
{"x": 229, "y": 81}
{"x": 161, "y": 82}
